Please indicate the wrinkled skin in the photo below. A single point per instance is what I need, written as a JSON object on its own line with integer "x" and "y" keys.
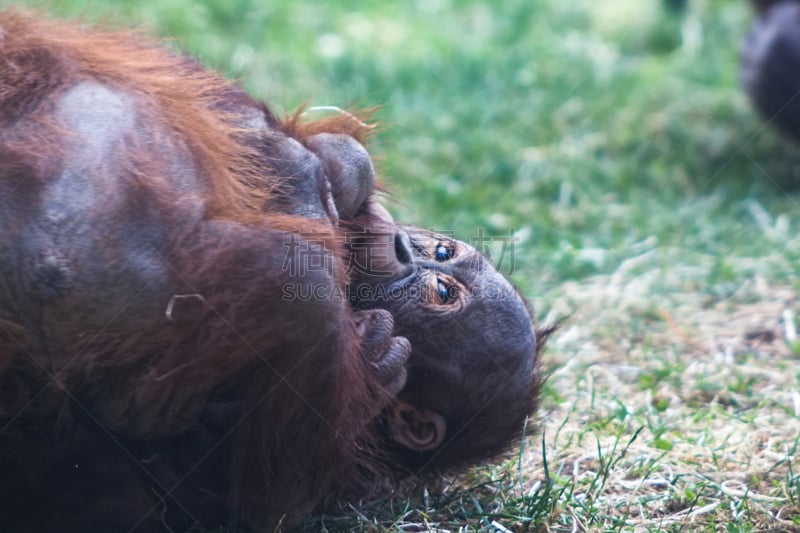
{"x": 329, "y": 178}
{"x": 472, "y": 374}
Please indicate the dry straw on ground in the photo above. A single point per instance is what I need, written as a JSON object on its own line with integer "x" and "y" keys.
{"x": 676, "y": 411}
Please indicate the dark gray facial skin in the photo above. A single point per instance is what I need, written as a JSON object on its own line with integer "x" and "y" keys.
{"x": 473, "y": 345}
{"x": 472, "y": 377}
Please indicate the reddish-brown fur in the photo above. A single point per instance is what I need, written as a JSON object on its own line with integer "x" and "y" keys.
{"x": 151, "y": 368}
{"x": 308, "y": 400}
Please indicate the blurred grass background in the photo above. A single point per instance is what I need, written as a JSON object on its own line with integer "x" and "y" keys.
{"x": 587, "y": 128}
{"x": 612, "y": 139}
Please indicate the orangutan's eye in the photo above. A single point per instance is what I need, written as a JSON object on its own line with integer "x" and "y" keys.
{"x": 443, "y": 252}
{"x": 445, "y": 293}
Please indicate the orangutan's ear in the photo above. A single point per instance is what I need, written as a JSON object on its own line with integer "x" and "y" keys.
{"x": 420, "y": 430}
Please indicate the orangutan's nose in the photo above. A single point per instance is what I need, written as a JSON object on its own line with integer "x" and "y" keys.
{"x": 402, "y": 248}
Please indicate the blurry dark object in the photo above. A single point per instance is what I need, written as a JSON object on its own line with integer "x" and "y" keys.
{"x": 770, "y": 69}
{"x": 762, "y": 5}
{"x": 676, "y": 5}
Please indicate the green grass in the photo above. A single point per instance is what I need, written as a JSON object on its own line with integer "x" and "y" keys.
{"x": 647, "y": 201}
